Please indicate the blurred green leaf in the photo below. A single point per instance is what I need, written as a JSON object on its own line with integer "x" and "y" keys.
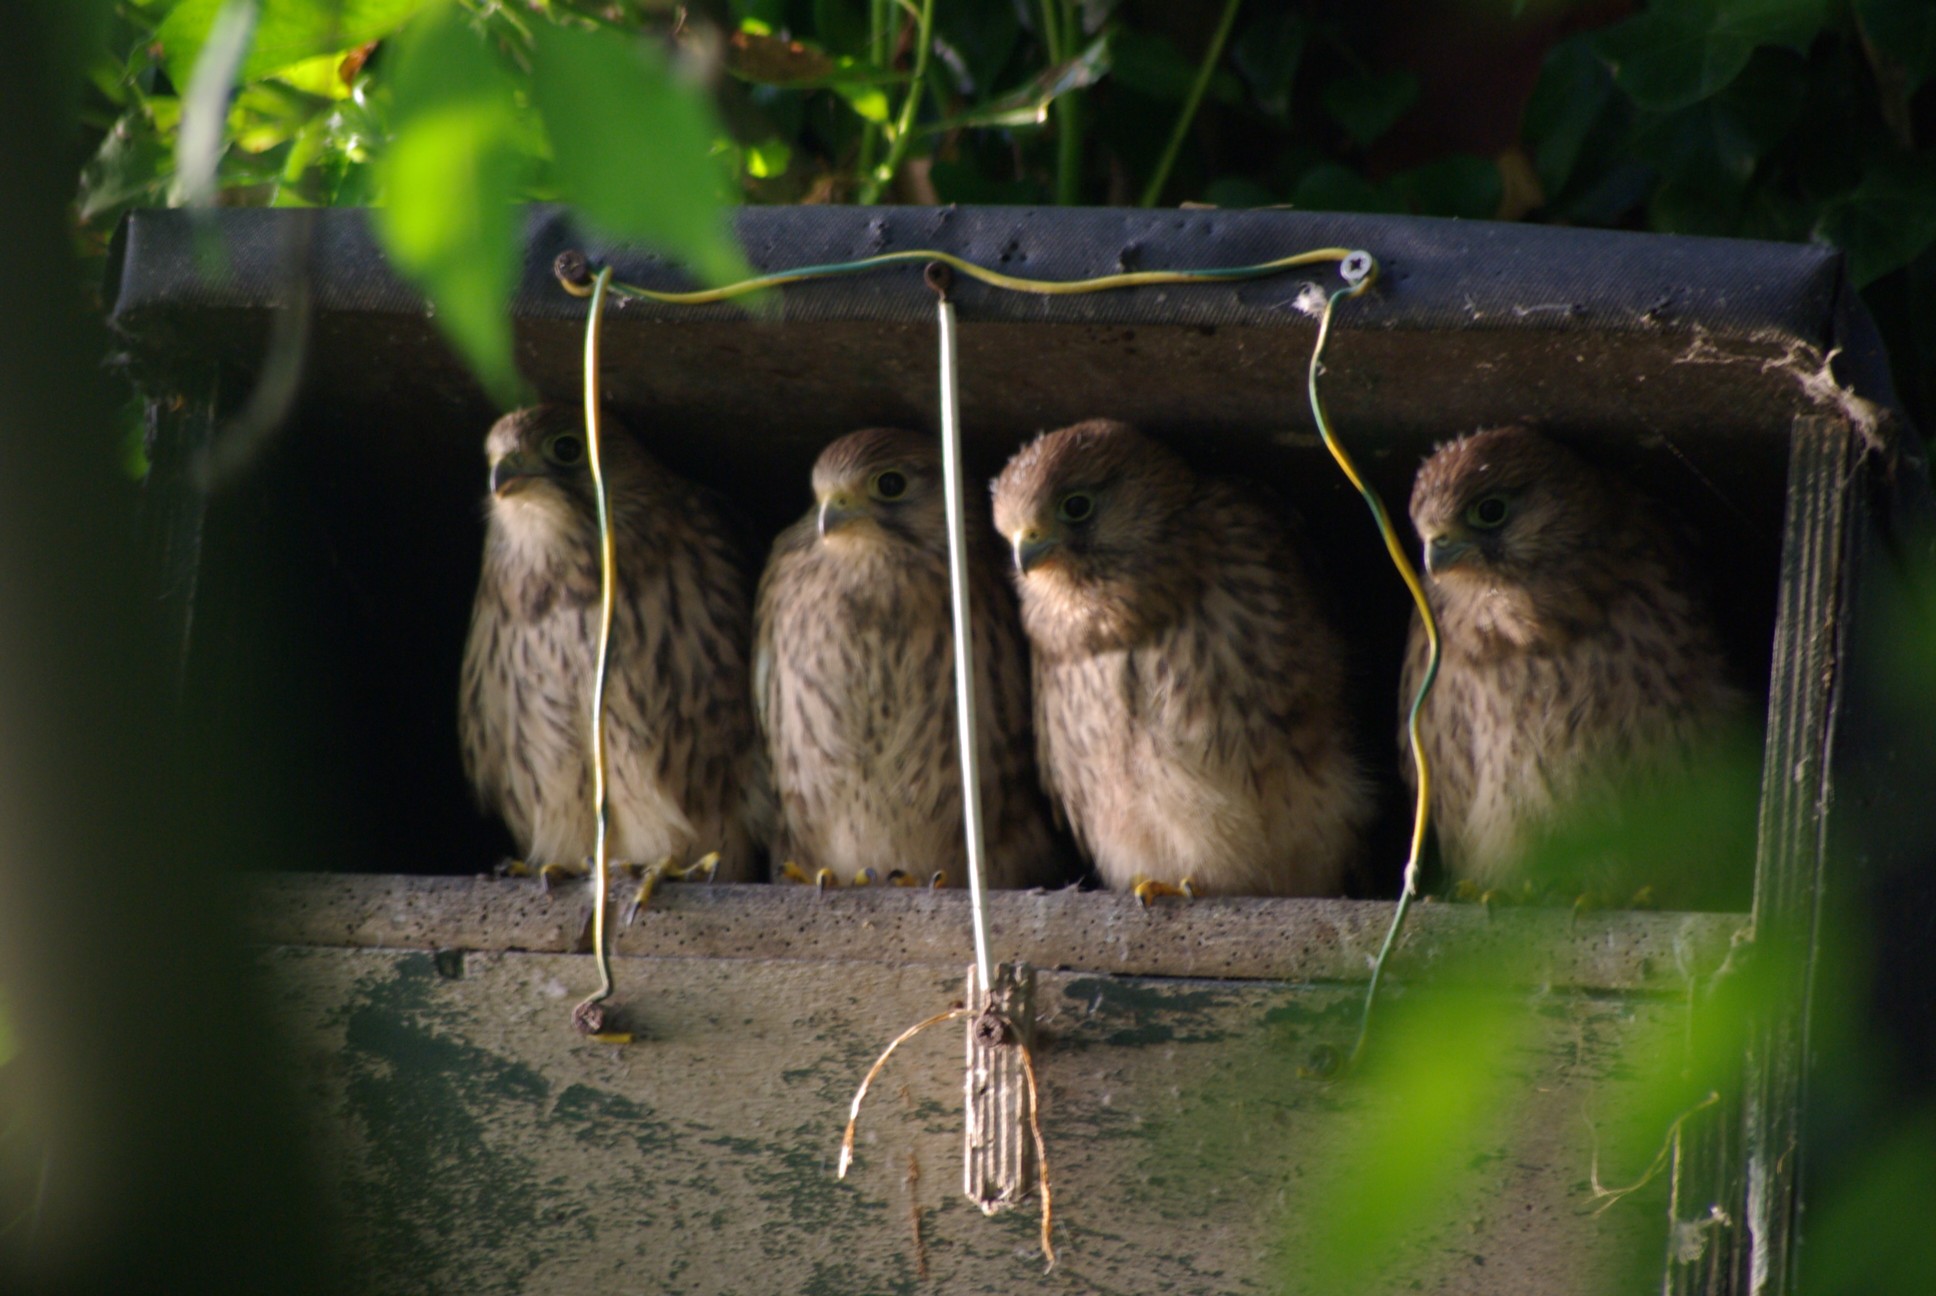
{"x": 1151, "y": 65}
{"x": 1368, "y": 106}
{"x": 1332, "y": 187}
{"x": 131, "y": 167}
{"x": 205, "y": 99}
{"x": 1679, "y": 52}
{"x": 1460, "y": 185}
{"x": 842, "y": 24}
{"x": 1860, "y": 1239}
{"x": 1570, "y": 98}
{"x": 633, "y": 145}
{"x": 984, "y": 36}
{"x": 450, "y": 173}
{"x": 287, "y": 31}
{"x": 1436, "y": 1064}
{"x": 1887, "y": 219}
{"x": 1267, "y": 54}
{"x": 1903, "y": 32}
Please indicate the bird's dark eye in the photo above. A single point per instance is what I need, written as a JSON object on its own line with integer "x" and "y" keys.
{"x": 1488, "y": 514}
{"x": 889, "y": 485}
{"x": 1077, "y": 506}
{"x": 566, "y": 449}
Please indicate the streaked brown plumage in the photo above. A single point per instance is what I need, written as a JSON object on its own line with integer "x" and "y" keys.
{"x": 1577, "y": 654}
{"x": 855, "y": 679}
{"x": 1189, "y": 692}
{"x": 683, "y": 760}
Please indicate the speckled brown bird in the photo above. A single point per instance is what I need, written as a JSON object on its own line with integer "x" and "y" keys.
{"x": 1189, "y": 689}
{"x": 854, "y": 677}
{"x": 683, "y": 758}
{"x": 1578, "y": 655}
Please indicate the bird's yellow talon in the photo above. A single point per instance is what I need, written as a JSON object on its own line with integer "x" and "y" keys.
{"x": 866, "y": 877}
{"x": 703, "y": 869}
{"x": 823, "y": 878}
{"x": 1146, "y": 890}
{"x": 939, "y": 880}
{"x": 792, "y": 872}
{"x": 900, "y": 877}
{"x": 553, "y": 874}
{"x": 1643, "y": 899}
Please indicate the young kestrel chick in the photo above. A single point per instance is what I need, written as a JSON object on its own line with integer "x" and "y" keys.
{"x": 854, "y": 679}
{"x": 1577, "y": 654}
{"x": 1189, "y": 691}
{"x": 682, "y": 756}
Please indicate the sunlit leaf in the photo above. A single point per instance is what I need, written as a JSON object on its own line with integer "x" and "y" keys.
{"x": 1681, "y": 51}
{"x": 287, "y": 31}
{"x": 449, "y": 177}
{"x": 633, "y": 143}
{"x": 768, "y": 159}
{"x": 1368, "y": 106}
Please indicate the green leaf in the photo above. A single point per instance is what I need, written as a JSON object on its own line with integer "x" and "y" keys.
{"x": 1904, "y": 33}
{"x": 1331, "y": 187}
{"x": 1887, "y": 220}
{"x": 1267, "y": 53}
{"x": 1151, "y": 65}
{"x": 450, "y": 173}
{"x": 633, "y": 145}
{"x": 1458, "y": 185}
{"x": 1570, "y": 98}
{"x": 286, "y": 33}
{"x": 129, "y": 168}
{"x": 1368, "y": 106}
{"x": 1681, "y": 51}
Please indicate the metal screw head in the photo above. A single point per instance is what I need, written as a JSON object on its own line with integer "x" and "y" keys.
{"x": 990, "y": 1030}
{"x": 1355, "y": 267}
{"x": 571, "y": 267}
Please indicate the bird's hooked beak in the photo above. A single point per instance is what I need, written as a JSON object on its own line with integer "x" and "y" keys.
{"x": 513, "y": 470}
{"x": 1032, "y": 548}
{"x": 836, "y": 511}
{"x": 1443, "y": 552}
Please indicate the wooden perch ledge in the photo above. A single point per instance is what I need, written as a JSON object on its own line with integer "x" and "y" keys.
{"x": 1232, "y": 938}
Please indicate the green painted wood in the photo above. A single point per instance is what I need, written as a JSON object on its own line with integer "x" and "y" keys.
{"x": 476, "y": 1144}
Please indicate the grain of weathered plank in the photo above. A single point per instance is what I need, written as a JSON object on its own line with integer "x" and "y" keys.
{"x": 1232, "y": 938}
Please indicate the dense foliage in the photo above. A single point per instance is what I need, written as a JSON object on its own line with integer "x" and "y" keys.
{"x": 1780, "y": 119}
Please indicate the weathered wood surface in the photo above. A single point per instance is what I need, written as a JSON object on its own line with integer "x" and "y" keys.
{"x": 478, "y": 1145}
{"x": 1226, "y": 938}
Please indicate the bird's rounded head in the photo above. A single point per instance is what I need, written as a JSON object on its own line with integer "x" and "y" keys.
{"x": 880, "y": 484}
{"x": 1083, "y": 501}
{"x": 1506, "y": 505}
{"x": 540, "y": 465}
